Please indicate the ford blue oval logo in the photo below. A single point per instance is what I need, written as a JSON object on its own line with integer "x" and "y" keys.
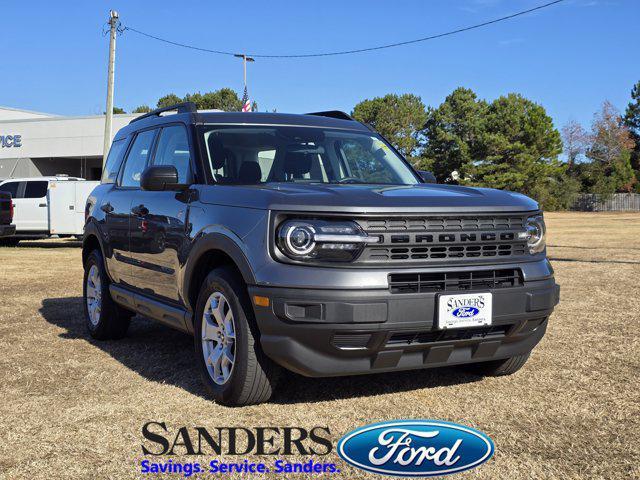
{"x": 415, "y": 448}
{"x": 465, "y": 312}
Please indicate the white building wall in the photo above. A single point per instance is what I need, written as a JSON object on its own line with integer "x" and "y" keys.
{"x": 58, "y": 136}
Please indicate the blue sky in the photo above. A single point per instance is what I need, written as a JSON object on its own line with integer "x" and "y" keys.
{"x": 569, "y": 57}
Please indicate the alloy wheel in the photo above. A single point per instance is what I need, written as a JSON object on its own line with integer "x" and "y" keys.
{"x": 218, "y": 338}
{"x": 94, "y": 295}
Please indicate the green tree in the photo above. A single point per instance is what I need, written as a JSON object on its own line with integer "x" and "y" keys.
{"x": 142, "y": 109}
{"x": 510, "y": 144}
{"x": 519, "y": 151}
{"x": 224, "y": 99}
{"x": 168, "y": 100}
{"x": 632, "y": 122}
{"x": 453, "y": 134}
{"x": 399, "y": 118}
{"x": 609, "y": 153}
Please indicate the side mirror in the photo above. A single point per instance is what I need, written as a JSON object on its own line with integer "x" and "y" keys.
{"x": 427, "y": 177}
{"x": 156, "y": 178}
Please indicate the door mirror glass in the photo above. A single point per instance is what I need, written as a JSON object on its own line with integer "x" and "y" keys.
{"x": 156, "y": 178}
{"x": 427, "y": 177}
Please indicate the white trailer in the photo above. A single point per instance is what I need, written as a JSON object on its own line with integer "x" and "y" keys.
{"x": 45, "y": 206}
{"x": 66, "y": 202}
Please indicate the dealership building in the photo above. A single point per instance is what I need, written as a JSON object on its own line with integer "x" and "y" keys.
{"x": 35, "y": 144}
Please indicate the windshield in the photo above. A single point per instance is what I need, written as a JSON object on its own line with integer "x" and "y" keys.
{"x": 265, "y": 154}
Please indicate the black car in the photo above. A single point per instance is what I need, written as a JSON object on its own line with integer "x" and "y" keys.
{"x": 7, "y": 230}
{"x": 308, "y": 242}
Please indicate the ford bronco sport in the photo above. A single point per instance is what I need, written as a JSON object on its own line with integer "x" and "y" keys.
{"x": 307, "y": 242}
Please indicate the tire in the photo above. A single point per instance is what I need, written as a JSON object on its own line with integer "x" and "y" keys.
{"x": 105, "y": 319}
{"x": 9, "y": 242}
{"x": 499, "y": 368}
{"x": 234, "y": 369}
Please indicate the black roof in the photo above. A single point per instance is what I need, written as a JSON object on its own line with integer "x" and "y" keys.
{"x": 186, "y": 114}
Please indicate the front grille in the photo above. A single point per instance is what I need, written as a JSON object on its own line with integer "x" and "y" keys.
{"x": 442, "y": 239}
{"x": 454, "y": 281}
{"x": 439, "y": 252}
{"x": 456, "y": 223}
{"x": 416, "y": 338}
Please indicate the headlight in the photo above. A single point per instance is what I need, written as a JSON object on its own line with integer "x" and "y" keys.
{"x": 536, "y": 232}
{"x": 333, "y": 241}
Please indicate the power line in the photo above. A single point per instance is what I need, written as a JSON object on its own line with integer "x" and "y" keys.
{"x": 359, "y": 50}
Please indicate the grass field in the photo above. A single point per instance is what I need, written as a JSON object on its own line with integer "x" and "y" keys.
{"x": 74, "y": 408}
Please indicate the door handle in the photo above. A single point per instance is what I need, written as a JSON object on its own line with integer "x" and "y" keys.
{"x": 42, "y": 205}
{"x": 140, "y": 210}
{"x": 106, "y": 208}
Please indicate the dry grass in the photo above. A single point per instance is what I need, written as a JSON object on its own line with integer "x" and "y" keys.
{"x": 73, "y": 408}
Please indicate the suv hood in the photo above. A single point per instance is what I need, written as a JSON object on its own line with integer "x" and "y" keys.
{"x": 366, "y": 198}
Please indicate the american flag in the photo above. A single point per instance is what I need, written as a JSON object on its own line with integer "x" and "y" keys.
{"x": 246, "y": 103}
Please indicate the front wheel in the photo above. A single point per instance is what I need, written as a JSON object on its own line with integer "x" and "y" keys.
{"x": 105, "y": 319}
{"x": 498, "y": 368}
{"x": 234, "y": 369}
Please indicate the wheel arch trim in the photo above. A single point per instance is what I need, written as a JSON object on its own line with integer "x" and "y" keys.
{"x": 209, "y": 242}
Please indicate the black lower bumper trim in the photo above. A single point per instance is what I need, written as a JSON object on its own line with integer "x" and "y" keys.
{"x": 345, "y": 335}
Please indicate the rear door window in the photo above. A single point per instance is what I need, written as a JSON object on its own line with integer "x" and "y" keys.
{"x": 173, "y": 149}
{"x": 10, "y": 187}
{"x": 137, "y": 159}
{"x": 36, "y": 189}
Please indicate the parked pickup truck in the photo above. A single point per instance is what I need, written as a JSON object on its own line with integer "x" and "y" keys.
{"x": 6, "y": 217}
{"x": 46, "y": 206}
{"x": 308, "y": 242}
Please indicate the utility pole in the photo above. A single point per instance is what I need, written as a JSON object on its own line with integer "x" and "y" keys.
{"x": 114, "y": 22}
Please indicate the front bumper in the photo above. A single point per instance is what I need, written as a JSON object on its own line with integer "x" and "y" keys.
{"x": 7, "y": 230}
{"x": 321, "y": 333}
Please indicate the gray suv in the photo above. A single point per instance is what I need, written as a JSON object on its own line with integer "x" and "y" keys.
{"x": 308, "y": 242}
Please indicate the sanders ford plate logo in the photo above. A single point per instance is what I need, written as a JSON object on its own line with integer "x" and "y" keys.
{"x": 465, "y": 312}
{"x": 415, "y": 448}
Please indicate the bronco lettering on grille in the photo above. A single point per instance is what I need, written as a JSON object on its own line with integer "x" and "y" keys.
{"x": 453, "y": 237}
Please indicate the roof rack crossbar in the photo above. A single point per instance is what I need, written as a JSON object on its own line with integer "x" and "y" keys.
{"x": 184, "y": 107}
{"x": 333, "y": 114}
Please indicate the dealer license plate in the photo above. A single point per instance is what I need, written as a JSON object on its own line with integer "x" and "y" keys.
{"x": 464, "y": 310}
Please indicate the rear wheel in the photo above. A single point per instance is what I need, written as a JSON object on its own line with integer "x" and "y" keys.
{"x": 234, "y": 369}
{"x": 104, "y": 318}
{"x": 499, "y": 368}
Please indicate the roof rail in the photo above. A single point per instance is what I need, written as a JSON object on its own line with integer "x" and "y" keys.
{"x": 333, "y": 114}
{"x": 184, "y": 107}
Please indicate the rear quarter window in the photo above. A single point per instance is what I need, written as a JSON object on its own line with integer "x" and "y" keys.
{"x": 114, "y": 160}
